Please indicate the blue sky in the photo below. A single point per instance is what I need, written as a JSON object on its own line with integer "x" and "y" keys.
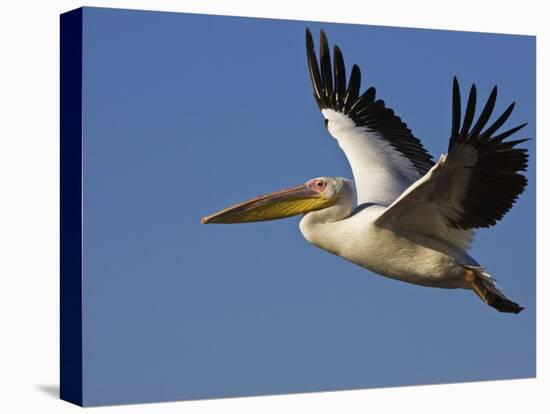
{"x": 187, "y": 114}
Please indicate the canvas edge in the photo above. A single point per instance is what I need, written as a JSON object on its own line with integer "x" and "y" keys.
{"x": 71, "y": 379}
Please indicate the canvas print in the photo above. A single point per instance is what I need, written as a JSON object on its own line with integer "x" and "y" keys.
{"x": 399, "y": 251}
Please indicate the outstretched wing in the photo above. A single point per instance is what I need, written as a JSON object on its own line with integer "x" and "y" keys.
{"x": 474, "y": 185}
{"x": 384, "y": 155}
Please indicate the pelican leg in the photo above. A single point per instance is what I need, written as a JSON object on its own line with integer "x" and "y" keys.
{"x": 489, "y": 293}
{"x": 478, "y": 287}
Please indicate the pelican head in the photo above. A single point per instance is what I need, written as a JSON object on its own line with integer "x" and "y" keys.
{"x": 328, "y": 197}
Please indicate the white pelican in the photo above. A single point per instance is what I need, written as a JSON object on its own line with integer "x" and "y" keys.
{"x": 415, "y": 219}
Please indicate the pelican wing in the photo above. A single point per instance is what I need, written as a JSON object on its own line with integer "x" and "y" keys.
{"x": 384, "y": 155}
{"x": 473, "y": 186}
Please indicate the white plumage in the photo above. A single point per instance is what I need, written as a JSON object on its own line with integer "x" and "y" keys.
{"x": 414, "y": 219}
{"x": 372, "y": 159}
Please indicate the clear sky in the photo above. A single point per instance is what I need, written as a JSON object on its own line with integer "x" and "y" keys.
{"x": 187, "y": 114}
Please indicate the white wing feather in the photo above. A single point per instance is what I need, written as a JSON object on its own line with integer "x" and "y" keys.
{"x": 426, "y": 206}
{"x": 380, "y": 172}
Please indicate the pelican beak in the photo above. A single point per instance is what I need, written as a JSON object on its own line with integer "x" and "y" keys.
{"x": 277, "y": 205}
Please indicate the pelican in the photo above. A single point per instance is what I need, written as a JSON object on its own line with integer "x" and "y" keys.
{"x": 415, "y": 218}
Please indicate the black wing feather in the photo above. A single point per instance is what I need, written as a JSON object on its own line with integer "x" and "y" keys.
{"x": 354, "y": 85}
{"x": 318, "y": 91}
{"x": 456, "y": 111}
{"x": 470, "y": 111}
{"x": 495, "y": 182}
{"x": 504, "y": 135}
{"x": 326, "y": 69}
{"x": 498, "y": 123}
{"x": 363, "y": 109}
{"x": 339, "y": 79}
{"x": 485, "y": 114}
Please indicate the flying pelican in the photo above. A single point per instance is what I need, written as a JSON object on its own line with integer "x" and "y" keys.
{"x": 415, "y": 219}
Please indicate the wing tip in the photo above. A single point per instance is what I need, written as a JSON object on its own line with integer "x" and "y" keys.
{"x": 309, "y": 41}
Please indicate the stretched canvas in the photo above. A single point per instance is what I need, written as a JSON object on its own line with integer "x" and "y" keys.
{"x": 167, "y": 118}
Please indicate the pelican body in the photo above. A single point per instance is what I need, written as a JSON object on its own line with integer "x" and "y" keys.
{"x": 404, "y": 216}
{"x": 359, "y": 239}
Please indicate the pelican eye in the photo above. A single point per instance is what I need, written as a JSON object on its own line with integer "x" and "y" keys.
{"x": 317, "y": 185}
{"x": 320, "y": 184}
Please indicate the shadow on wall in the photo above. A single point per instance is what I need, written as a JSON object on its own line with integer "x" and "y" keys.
{"x": 49, "y": 389}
